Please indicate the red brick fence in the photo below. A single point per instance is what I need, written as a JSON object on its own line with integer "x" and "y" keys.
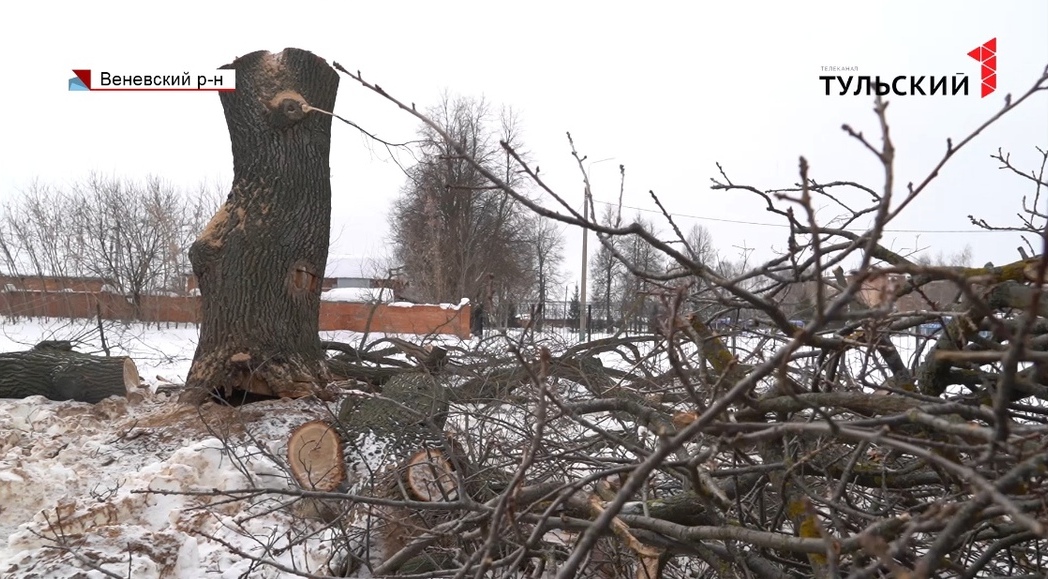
{"x": 358, "y": 317}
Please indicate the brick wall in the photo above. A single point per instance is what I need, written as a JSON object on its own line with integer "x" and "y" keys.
{"x": 384, "y": 318}
{"x": 417, "y": 319}
{"x": 88, "y": 305}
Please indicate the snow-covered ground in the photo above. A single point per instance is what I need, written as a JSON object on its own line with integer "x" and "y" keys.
{"x": 74, "y": 476}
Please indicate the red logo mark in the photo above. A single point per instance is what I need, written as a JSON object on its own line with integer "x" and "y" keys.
{"x": 987, "y": 55}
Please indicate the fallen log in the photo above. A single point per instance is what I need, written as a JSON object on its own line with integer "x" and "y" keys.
{"x": 59, "y": 374}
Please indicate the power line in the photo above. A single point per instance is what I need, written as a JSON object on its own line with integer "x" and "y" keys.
{"x": 784, "y": 226}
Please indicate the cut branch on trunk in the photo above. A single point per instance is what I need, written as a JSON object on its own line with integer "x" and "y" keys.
{"x": 314, "y": 454}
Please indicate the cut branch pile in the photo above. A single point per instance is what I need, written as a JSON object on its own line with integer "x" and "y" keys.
{"x": 859, "y": 442}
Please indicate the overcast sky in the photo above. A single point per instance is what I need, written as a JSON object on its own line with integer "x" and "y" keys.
{"x": 667, "y": 91}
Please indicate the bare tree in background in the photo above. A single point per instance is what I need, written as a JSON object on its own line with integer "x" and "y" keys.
{"x": 134, "y": 235}
{"x": 607, "y": 271}
{"x": 36, "y": 235}
{"x": 547, "y": 244}
{"x": 962, "y": 258}
{"x": 121, "y": 228}
{"x": 700, "y": 246}
{"x": 451, "y": 226}
{"x": 642, "y": 262}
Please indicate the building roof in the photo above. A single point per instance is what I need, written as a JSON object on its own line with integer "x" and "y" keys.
{"x": 355, "y": 267}
{"x": 936, "y": 295}
{"x": 6, "y": 275}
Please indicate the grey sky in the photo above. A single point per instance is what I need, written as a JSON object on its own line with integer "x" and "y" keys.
{"x": 666, "y": 91}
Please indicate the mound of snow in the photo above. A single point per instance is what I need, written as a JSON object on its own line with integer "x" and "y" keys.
{"x": 358, "y": 295}
{"x": 108, "y": 483}
{"x": 462, "y": 303}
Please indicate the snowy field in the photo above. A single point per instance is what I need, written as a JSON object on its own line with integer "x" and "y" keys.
{"x": 73, "y": 476}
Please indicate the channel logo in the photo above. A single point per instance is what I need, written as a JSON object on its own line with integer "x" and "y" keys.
{"x": 987, "y": 56}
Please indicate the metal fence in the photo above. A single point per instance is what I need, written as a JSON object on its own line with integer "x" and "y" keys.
{"x": 560, "y": 318}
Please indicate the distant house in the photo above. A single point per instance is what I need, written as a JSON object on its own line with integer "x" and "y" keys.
{"x": 348, "y": 271}
{"x": 935, "y": 296}
{"x": 349, "y": 278}
{"x": 938, "y": 295}
{"x": 876, "y": 290}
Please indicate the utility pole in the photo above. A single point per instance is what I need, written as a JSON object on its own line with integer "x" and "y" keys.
{"x": 583, "y": 314}
{"x": 585, "y": 262}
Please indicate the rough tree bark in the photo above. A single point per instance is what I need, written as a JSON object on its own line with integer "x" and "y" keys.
{"x": 260, "y": 261}
{"x": 54, "y": 371}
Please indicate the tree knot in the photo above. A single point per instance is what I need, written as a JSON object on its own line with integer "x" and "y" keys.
{"x": 288, "y": 107}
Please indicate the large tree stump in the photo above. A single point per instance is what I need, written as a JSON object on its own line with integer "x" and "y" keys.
{"x": 61, "y": 374}
{"x": 260, "y": 261}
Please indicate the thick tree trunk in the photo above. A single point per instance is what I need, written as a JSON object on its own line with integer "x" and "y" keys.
{"x": 61, "y": 374}
{"x": 261, "y": 259}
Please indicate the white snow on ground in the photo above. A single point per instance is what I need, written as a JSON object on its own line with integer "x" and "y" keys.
{"x": 73, "y": 475}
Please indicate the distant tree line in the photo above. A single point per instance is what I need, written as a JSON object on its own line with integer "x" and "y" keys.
{"x": 135, "y": 235}
{"x": 455, "y": 234}
{"x": 617, "y": 294}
